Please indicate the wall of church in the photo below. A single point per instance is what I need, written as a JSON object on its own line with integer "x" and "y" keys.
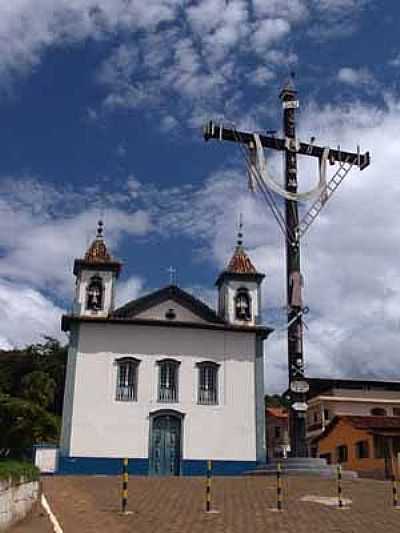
{"x": 104, "y": 427}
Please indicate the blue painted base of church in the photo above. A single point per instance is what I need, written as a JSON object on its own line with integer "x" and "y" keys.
{"x": 140, "y": 467}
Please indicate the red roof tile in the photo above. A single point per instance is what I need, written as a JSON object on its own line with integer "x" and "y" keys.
{"x": 278, "y": 412}
{"x": 241, "y": 263}
{"x": 97, "y": 252}
{"x": 374, "y": 422}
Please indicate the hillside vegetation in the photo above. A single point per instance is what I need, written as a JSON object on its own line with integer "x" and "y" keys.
{"x": 31, "y": 395}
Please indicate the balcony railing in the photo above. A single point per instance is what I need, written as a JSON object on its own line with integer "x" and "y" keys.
{"x": 314, "y": 427}
{"x": 208, "y": 397}
{"x": 126, "y": 393}
{"x": 167, "y": 394}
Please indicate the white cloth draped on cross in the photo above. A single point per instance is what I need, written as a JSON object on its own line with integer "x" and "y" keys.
{"x": 259, "y": 170}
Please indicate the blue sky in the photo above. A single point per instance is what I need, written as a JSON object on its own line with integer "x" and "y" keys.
{"x": 101, "y": 106}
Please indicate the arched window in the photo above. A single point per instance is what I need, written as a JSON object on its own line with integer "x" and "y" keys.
{"x": 127, "y": 379}
{"x": 208, "y": 383}
{"x": 168, "y": 380}
{"x": 378, "y": 411}
{"x": 94, "y": 294}
{"x": 243, "y": 304}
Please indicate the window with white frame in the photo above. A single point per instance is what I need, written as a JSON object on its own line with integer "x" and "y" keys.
{"x": 127, "y": 379}
{"x": 208, "y": 383}
{"x": 168, "y": 380}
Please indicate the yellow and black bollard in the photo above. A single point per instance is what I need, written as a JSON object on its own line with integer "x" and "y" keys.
{"x": 279, "y": 487}
{"x": 339, "y": 486}
{"x": 208, "y": 487}
{"x": 124, "y": 486}
{"x": 394, "y": 492}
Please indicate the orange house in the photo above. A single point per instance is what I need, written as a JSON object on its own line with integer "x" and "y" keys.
{"x": 367, "y": 444}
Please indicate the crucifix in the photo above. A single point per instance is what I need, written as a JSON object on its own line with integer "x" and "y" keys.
{"x": 172, "y": 275}
{"x": 294, "y": 229}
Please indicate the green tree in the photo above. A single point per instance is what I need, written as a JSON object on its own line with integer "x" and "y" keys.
{"x": 39, "y": 388}
{"x": 276, "y": 400}
{"x": 23, "y": 424}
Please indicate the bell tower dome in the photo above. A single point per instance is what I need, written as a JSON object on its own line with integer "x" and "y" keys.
{"x": 96, "y": 275}
{"x": 239, "y": 288}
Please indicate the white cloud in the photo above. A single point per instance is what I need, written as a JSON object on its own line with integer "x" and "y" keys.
{"x": 340, "y": 5}
{"x": 128, "y": 290}
{"x": 355, "y": 77}
{"x": 27, "y": 28}
{"x": 261, "y": 76}
{"x": 26, "y": 315}
{"x": 292, "y": 10}
{"x": 395, "y": 62}
{"x": 35, "y": 226}
{"x": 268, "y": 32}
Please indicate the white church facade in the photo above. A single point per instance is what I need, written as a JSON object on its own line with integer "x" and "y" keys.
{"x": 164, "y": 380}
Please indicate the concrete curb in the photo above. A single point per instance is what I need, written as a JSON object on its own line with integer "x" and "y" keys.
{"x": 54, "y": 522}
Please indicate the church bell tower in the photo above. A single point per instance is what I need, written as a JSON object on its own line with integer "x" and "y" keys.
{"x": 96, "y": 275}
{"x": 239, "y": 289}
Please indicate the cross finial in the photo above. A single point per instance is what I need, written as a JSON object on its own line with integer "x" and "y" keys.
{"x": 100, "y": 225}
{"x": 240, "y": 234}
{"x": 172, "y": 275}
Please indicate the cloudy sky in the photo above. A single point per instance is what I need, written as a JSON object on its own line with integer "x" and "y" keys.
{"x": 102, "y": 103}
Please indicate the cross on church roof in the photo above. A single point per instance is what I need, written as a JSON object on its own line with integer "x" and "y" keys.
{"x": 172, "y": 275}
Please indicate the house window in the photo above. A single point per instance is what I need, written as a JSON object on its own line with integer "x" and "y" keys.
{"x": 208, "y": 383}
{"x": 168, "y": 380}
{"x": 94, "y": 294}
{"x": 243, "y": 305}
{"x": 326, "y": 414}
{"x": 277, "y": 432}
{"x": 127, "y": 379}
{"x": 378, "y": 411}
{"x": 326, "y": 456}
{"x": 396, "y": 411}
{"x": 362, "y": 449}
{"x": 341, "y": 454}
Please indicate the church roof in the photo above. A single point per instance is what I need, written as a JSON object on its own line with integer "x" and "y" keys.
{"x": 97, "y": 256}
{"x": 171, "y": 292}
{"x": 240, "y": 262}
{"x": 240, "y": 265}
{"x": 97, "y": 252}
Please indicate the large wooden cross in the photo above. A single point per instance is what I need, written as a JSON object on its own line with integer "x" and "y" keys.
{"x": 295, "y": 228}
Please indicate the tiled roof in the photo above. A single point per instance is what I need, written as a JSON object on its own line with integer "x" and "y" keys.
{"x": 277, "y": 412}
{"x": 97, "y": 252}
{"x": 97, "y": 256}
{"x": 374, "y": 422}
{"x": 367, "y": 423}
{"x": 241, "y": 263}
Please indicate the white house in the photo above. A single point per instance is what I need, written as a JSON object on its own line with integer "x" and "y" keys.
{"x": 163, "y": 380}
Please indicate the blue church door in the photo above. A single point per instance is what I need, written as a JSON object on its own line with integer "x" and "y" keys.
{"x": 165, "y": 446}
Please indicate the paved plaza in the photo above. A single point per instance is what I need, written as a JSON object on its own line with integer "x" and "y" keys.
{"x": 245, "y": 504}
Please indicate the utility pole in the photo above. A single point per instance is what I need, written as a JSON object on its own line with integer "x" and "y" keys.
{"x": 295, "y": 229}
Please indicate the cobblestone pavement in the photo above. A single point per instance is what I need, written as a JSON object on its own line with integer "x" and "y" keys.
{"x": 172, "y": 505}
